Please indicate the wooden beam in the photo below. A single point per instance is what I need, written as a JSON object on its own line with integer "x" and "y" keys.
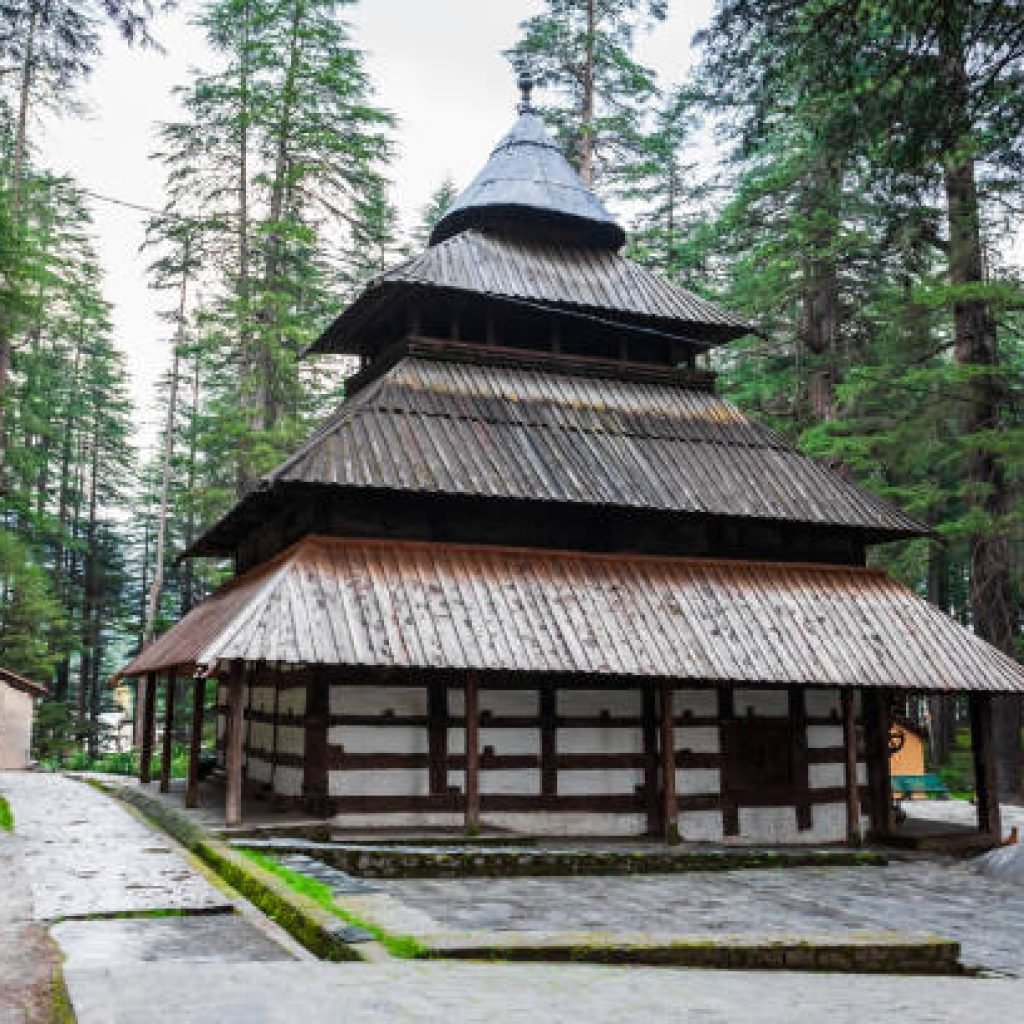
{"x": 986, "y": 786}
{"x": 315, "y": 773}
{"x": 472, "y": 702}
{"x": 148, "y": 727}
{"x": 651, "y": 767}
{"x": 877, "y": 717}
{"x": 853, "y": 833}
{"x": 170, "y": 693}
{"x": 670, "y": 803}
{"x": 730, "y": 809}
{"x": 798, "y": 753}
{"x": 233, "y": 747}
{"x": 437, "y": 735}
{"x": 195, "y": 742}
{"x": 548, "y": 739}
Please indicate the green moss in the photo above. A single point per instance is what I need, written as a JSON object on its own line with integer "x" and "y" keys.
{"x": 403, "y": 946}
{"x": 61, "y": 1010}
{"x": 6, "y": 816}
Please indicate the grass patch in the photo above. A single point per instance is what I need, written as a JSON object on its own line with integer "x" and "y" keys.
{"x": 404, "y": 947}
{"x": 6, "y": 816}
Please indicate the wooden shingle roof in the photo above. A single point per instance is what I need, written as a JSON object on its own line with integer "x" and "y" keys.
{"x": 508, "y": 431}
{"x": 527, "y": 180}
{"x": 541, "y": 273}
{"x": 387, "y": 604}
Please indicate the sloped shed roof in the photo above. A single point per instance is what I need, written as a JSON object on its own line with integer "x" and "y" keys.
{"x": 332, "y": 601}
{"x": 17, "y": 682}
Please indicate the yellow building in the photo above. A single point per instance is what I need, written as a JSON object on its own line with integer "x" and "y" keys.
{"x": 906, "y": 746}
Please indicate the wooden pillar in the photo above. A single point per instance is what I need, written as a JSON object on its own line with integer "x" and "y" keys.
{"x": 437, "y": 736}
{"x": 876, "y": 713}
{"x": 652, "y": 795}
{"x": 797, "y": 704}
{"x": 315, "y": 778}
{"x": 233, "y": 747}
{"x": 472, "y": 708}
{"x": 548, "y": 740}
{"x": 986, "y": 788}
{"x": 148, "y": 727}
{"x": 195, "y": 742}
{"x": 670, "y": 803}
{"x": 853, "y": 834}
{"x": 726, "y": 741}
{"x": 170, "y": 691}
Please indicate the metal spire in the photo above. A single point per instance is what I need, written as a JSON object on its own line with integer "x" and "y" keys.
{"x": 525, "y": 88}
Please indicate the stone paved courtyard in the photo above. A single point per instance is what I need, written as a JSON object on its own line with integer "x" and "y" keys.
{"x": 235, "y": 968}
{"x": 918, "y": 895}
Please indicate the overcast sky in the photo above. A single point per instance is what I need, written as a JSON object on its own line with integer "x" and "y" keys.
{"x": 437, "y": 65}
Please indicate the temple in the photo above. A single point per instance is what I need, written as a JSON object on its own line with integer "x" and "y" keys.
{"x": 534, "y": 575}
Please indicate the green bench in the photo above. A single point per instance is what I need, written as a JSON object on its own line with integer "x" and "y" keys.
{"x": 905, "y": 787}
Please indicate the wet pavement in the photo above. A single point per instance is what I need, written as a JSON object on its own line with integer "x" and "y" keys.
{"x": 237, "y": 967}
{"x": 916, "y": 896}
{"x": 85, "y": 854}
{"x": 224, "y": 939}
{"x": 457, "y": 993}
{"x": 81, "y": 864}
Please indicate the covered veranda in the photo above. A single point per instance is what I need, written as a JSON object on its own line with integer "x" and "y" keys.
{"x": 330, "y": 607}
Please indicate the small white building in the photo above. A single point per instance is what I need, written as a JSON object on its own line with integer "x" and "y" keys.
{"x": 17, "y": 704}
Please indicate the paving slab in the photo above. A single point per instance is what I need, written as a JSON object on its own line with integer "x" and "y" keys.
{"x": 28, "y": 957}
{"x": 915, "y": 896}
{"x": 445, "y": 993}
{"x": 85, "y": 854}
{"x": 225, "y": 939}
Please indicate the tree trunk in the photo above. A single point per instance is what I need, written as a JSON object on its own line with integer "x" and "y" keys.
{"x": 819, "y": 317}
{"x": 991, "y": 594}
{"x": 250, "y": 391}
{"x": 586, "y": 143}
{"x": 168, "y": 454}
{"x": 941, "y": 707}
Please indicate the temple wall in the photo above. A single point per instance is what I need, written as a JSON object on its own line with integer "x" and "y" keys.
{"x": 570, "y": 761}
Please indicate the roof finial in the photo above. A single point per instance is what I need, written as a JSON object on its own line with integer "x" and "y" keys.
{"x": 525, "y": 88}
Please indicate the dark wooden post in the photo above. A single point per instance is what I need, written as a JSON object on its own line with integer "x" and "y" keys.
{"x": 670, "y": 803}
{"x": 876, "y": 712}
{"x": 148, "y": 727}
{"x": 652, "y": 772}
{"x": 315, "y": 777}
{"x": 472, "y": 708}
{"x": 986, "y": 788}
{"x": 798, "y": 757}
{"x": 233, "y": 748}
{"x": 726, "y": 740}
{"x": 437, "y": 736}
{"x": 853, "y": 834}
{"x": 170, "y": 690}
{"x": 548, "y": 740}
{"x": 195, "y": 742}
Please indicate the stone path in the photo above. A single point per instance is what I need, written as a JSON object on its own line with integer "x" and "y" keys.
{"x": 84, "y": 854}
{"x": 436, "y": 993}
{"x": 922, "y": 896}
{"x": 228, "y": 969}
{"x": 27, "y": 954}
{"x": 75, "y": 856}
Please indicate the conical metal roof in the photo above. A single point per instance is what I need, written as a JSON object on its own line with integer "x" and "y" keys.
{"x": 529, "y": 184}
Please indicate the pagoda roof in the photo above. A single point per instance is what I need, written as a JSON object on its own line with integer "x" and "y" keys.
{"x": 528, "y": 181}
{"x": 427, "y": 605}
{"x": 542, "y": 274}
{"x": 496, "y": 428}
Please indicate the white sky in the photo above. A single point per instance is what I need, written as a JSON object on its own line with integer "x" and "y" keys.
{"x": 437, "y": 65}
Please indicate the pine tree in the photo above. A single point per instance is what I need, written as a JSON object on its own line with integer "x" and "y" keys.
{"x": 582, "y": 51}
